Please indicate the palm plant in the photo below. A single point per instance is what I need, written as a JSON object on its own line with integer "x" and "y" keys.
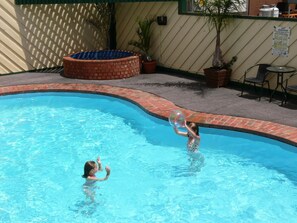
{"x": 144, "y": 37}
{"x": 219, "y": 14}
{"x": 102, "y": 21}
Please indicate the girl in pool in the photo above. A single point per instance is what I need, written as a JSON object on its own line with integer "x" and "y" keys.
{"x": 91, "y": 168}
{"x": 192, "y": 134}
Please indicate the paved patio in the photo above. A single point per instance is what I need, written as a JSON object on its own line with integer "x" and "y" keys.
{"x": 160, "y": 93}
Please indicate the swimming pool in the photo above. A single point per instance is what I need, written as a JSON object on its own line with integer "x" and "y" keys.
{"x": 45, "y": 138}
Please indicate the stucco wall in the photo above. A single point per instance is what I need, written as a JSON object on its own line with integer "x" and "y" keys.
{"x": 38, "y": 36}
{"x": 187, "y": 44}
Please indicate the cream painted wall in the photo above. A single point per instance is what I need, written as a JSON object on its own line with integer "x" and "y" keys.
{"x": 187, "y": 44}
{"x": 38, "y": 36}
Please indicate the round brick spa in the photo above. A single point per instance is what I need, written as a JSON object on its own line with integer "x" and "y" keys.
{"x": 101, "y": 65}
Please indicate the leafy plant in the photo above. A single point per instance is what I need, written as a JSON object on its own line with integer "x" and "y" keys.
{"x": 230, "y": 63}
{"x": 219, "y": 14}
{"x": 144, "y": 37}
{"x": 101, "y": 20}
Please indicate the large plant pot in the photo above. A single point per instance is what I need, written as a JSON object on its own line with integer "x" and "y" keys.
{"x": 149, "y": 67}
{"x": 217, "y": 78}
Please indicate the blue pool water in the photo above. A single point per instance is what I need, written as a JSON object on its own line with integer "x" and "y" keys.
{"x": 45, "y": 139}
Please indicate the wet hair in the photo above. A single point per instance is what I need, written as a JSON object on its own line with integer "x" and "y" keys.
{"x": 90, "y": 165}
{"x": 194, "y": 127}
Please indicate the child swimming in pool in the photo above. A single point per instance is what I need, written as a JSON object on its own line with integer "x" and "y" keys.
{"x": 192, "y": 134}
{"x": 91, "y": 168}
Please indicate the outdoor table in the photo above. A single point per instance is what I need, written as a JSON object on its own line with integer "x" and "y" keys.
{"x": 280, "y": 71}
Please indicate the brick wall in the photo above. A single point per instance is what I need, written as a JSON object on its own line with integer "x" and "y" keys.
{"x": 101, "y": 69}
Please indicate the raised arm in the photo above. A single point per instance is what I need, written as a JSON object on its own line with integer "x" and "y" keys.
{"x": 99, "y": 164}
{"x": 107, "y": 169}
{"x": 179, "y": 132}
{"x": 191, "y": 132}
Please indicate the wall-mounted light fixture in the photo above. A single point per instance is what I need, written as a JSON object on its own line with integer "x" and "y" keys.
{"x": 162, "y": 20}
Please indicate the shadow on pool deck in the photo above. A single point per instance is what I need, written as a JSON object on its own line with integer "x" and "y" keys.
{"x": 185, "y": 92}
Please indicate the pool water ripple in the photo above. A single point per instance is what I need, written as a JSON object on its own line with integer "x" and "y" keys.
{"x": 45, "y": 138}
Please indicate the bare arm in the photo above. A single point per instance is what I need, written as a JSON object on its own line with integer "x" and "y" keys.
{"x": 192, "y": 133}
{"x": 179, "y": 132}
{"x": 107, "y": 169}
{"x": 99, "y": 164}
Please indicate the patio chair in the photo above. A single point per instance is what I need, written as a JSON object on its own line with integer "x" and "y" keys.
{"x": 289, "y": 88}
{"x": 260, "y": 78}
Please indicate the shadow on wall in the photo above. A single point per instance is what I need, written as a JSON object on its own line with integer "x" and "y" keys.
{"x": 42, "y": 34}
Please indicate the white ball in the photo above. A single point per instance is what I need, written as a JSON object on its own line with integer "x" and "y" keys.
{"x": 177, "y": 119}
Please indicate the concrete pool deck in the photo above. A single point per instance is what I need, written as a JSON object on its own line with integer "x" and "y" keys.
{"x": 159, "y": 94}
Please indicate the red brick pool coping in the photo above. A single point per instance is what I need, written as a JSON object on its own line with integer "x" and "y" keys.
{"x": 161, "y": 108}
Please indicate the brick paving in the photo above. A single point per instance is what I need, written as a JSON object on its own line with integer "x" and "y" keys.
{"x": 161, "y": 107}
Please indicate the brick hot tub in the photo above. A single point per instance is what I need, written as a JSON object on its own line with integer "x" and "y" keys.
{"x": 101, "y": 65}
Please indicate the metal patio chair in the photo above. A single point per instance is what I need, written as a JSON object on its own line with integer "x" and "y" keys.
{"x": 289, "y": 88}
{"x": 259, "y": 78}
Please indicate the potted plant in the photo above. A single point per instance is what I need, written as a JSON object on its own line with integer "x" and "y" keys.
{"x": 144, "y": 44}
{"x": 219, "y": 14}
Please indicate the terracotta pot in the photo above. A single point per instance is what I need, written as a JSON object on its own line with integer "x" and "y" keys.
{"x": 217, "y": 78}
{"x": 149, "y": 67}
